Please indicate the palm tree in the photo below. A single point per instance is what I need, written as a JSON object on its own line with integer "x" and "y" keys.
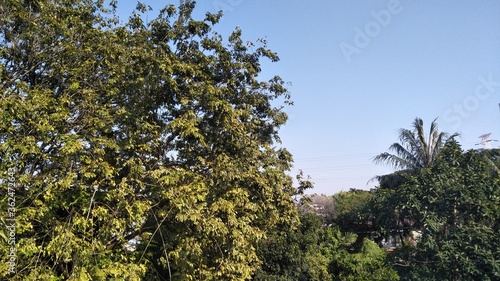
{"x": 415, "y": 151}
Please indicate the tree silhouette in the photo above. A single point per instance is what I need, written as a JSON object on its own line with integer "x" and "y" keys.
{"x": 415, "y": 150}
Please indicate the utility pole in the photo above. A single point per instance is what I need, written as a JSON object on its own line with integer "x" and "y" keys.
{"x": 485, "y": 141}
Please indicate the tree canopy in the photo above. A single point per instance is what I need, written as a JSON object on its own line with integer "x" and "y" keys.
{"x": 448, "y": 218}
{"x": 139, "y": 149}
{"x": 455, "y": 207}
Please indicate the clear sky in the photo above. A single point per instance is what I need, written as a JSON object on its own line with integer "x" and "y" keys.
{"x": 360, "y": 70}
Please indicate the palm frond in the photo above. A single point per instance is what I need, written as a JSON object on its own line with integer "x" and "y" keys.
{"x": 404, "y": 153}
{"x": 390, "y": 159}
{"x": 415, "y": 150}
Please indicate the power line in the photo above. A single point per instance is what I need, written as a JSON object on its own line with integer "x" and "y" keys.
{"x": 308, "y": 159}
{"x": 336, "y": 168}
{"x": 339, "y": 179}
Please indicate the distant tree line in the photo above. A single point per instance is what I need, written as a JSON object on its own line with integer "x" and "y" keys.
{"x": 442, "y": 214}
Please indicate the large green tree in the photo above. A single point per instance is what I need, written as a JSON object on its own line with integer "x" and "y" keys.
{"x": 454, "y": 208}
{"x": 139, "y": 150}
{"x": 415, "y": 151}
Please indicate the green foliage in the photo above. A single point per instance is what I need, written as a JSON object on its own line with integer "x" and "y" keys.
{"x": 352, "y": 211}
{"x": 414, "y": 152}
{"x": 140, "y": 150}
{"x": 444, "y": 211}
{"x": 369, "y": 263}
{"x": 492, "y": 157}
{"x": 455, "y": 206}
{"x": 283, "y": 252}
{"x": 315, "y": 252}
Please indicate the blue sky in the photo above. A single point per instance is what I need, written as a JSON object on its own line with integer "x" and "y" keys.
{"x": 360, "y": 70}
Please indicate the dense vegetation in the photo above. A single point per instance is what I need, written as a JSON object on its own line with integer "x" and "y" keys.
{"x": 140, "y": 150}
{"x": 451, "y": 213}
{"x": 150, "y": 151}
